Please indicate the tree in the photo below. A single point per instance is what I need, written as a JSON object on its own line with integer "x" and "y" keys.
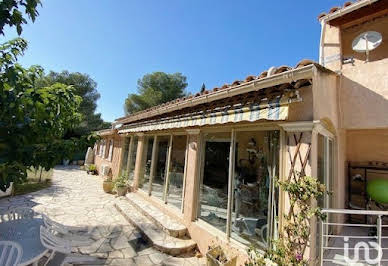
{"x": 11, "y": 15}
{"x": 154, "y": 89}
{"x": 203, "y": 88}
{"x": 33, "y": 120}
{"x": 85, "y": 87}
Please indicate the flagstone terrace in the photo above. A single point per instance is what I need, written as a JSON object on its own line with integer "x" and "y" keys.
{"x": 77, "y": 199}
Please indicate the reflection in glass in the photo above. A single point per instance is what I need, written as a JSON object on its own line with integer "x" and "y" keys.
{"x": 132, "y": 158}
{"x": 160, "y": 171}
{"x": 176, "y": 173}
{"x": 124, "y": 159}
{"x": 254, "y": 202}
{"x": 214, "y": 184}
{"x": 144, "y": 182}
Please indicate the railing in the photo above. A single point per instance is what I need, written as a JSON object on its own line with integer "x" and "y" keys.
{"x": 353, "y": 238}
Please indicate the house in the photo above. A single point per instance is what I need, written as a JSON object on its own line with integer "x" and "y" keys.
{"x": 210, "y": 160}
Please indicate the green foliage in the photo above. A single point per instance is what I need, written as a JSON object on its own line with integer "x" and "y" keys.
{"x": 303, "y": 191}
{"x": 11, "y": 13}
{"x": 85, "y": 87}
{"x": 33, "y": 119}
{"x": 92, "y": 167}
{"x": 31, "y": 186}
{"x": 154, "y": 89}
{"x": 121, "y": 181}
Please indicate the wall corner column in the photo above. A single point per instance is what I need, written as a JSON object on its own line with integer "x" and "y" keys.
{"x": 192, "y": 175}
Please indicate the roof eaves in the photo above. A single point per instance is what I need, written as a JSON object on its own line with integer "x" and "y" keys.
{"x": 282, "y": 75}
{"x": 348, "y": 7}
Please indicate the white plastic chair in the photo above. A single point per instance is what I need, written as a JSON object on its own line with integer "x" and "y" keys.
{"x": 54, "y": 226}
{"x": 19, "y": 213}
{"x": 10, "y": 253}
{"x": 3, "y": 215}
{"x": 59, "y": 247}
{"x": 66, "y": 232}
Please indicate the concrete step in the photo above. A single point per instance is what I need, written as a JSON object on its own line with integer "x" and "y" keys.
{"x": 169, "y": 225}
{"x": 192, "y": 261}
{"x": 153, "y": 233}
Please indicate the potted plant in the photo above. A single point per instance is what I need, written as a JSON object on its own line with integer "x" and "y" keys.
{"x": 120, "y": 185}
{"x": 92, "y": 169}
{"x": 66, "y": 162}
{"x": 216, "y": 256}
{"x": 107, "y": 185}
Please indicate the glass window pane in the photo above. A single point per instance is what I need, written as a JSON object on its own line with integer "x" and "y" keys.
{"x": 125, "y": 153}
{"x": 144, "y": 183}
{"x": 132, "y": 159}
{"x": 254, "y": 203}
{"x": 321, "y": 165}
{"x": 177, "y": 169}
{"x": 110, "y": 153}
{"x": 160, "y": 171}
{"x": 214, "y": 184}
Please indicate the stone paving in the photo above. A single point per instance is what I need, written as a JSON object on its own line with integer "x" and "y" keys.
{"x": 77, "y": 199}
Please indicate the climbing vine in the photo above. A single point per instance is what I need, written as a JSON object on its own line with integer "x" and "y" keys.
{"x": 289, "y": 249}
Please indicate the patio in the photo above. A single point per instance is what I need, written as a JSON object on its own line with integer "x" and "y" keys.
{"x": 77, "y": 199}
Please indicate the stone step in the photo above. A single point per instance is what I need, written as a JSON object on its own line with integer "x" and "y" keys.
{"x": 171, "y": 226}
{"x": 153, "y": 233}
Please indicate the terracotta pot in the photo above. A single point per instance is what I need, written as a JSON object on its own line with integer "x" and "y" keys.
{"x": 217, "y": 257}
{"x": 107, "y": 186}
{"x": 121, "y": 191}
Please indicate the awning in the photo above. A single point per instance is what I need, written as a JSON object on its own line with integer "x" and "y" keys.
{"x": 274, "y": 110}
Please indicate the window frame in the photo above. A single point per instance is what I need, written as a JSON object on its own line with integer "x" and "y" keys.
{"x": 110, "y": 150}
{"x": 233, "y": 132}
{"x": 167, "y": 166}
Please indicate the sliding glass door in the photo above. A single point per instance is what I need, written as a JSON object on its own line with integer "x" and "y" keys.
{"x": 158, "y": 180}
{"x": 163, "y": 167}
{"x": 176, "y": 174}
{"x": 214, "y": 181}
{"x": 144, "y": 182}
{"x": 237, "y": 190}
{"x": 325, "y": 165}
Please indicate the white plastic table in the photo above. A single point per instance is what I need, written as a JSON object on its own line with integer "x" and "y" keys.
{"x": 25, "y": 232}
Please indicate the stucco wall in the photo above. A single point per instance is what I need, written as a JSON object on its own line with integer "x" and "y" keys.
{"x": 367, "y": 145}
{"x": 115, "y": 163}
{"x": 302, "y": 111}
{"x": 325, "y": 99}
{"x": 365, "y": 85}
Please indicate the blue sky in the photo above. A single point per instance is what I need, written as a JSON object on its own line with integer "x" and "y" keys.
{"x": 214, "y": 42}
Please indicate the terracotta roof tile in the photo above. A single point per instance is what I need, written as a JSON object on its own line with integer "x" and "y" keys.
{"x": 250, "y": 78}
{"x": 323, "y": 14}
{"x": 334, "y": 9}
{"x": 304, "y": 62}
{"x": 347, "y": 4}
{"x": 263, "y": 74}
{"x": 282, "y": 69}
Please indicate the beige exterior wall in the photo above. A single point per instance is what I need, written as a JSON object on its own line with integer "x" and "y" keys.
{"x": 99, "y": 161}
{"x": 364, "y": 86}
{"x": 367, "y": 145}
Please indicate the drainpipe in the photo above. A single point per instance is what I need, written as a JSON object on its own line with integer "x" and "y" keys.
{"x": 321, "y": 44}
